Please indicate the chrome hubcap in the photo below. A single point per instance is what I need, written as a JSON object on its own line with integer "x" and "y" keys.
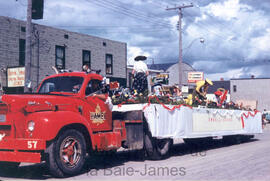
{"x": 70, "y": 151}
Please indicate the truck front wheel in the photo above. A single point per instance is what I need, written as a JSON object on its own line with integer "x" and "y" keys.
{"x": 67, "y": 154}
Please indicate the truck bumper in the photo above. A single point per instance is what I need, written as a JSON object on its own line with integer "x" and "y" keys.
{"x": 22, "y": 150}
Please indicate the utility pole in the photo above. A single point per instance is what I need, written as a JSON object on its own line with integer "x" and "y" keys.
{"x": 180, "y": 39}
{"x": 28, "y": 51}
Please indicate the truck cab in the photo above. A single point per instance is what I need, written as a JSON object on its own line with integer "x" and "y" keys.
{"x": 60, "y": 123}
{"x": 68, "y": 119}
{"x": 82, "y": 86}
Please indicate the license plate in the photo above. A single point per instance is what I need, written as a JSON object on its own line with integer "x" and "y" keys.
{"x": 2, "y": 118}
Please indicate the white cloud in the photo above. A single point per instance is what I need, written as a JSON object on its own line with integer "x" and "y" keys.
{"x": 135, "y": 51}
{"x": 260, "y": 46}
{"x": 235, "y": 73}
{"x": 226, "y": 10}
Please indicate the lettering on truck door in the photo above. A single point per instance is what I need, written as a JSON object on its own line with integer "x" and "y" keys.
{"x": 98, "y": 113}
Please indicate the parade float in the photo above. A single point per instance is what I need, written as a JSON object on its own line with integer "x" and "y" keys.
{"x": 70, "y": 118}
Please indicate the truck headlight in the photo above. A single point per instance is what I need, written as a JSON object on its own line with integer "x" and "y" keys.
{"x": 31, "y": 125}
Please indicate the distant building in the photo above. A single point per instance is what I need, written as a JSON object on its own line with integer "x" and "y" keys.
{"x": 253, "y": 92}
{"x": 60, "y": 48}
{"x": 173, "y": 70}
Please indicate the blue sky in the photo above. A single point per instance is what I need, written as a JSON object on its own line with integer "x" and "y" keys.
{"x": 236, "y": 33}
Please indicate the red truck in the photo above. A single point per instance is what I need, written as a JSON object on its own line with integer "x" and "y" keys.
{"x": 63, "y": 123}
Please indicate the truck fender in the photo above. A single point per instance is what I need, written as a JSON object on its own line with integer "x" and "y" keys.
{"x": 49, "y": 123}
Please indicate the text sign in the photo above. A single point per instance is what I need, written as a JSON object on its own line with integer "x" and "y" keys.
{"x": 194, "y": 77}
{"x": 219, "y": 120}
{"x": 16, "y": 77}
{"x": 161, "y": 78}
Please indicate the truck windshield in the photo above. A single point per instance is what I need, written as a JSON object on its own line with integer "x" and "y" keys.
{"x": 61, "y": 84}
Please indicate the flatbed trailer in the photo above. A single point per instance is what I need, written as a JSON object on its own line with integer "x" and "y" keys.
{"x": 195, "y": 122}
{"x": 196, "y": 125}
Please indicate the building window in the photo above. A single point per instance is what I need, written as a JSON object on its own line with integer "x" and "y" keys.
{"x": 23, "y": 29}
{"x": 109, "y": 64}
{"x": 59, "y": 57}
{"x": 21, "y": 52}
{"x": 86, "y": 58}
{"x": 234, "y": 88}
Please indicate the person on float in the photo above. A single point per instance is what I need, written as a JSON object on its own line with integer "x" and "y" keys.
{"x": 199, "y": 93}
{"x": 157, "y": 89}
{"x": 177, "y": 93}
{"x": 218, "y": 95}
{"x": 140, "y": 73}
{"x": 86, "y": 69}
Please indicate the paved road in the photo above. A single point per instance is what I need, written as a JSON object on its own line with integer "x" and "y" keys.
{"x": 246, "y": 161}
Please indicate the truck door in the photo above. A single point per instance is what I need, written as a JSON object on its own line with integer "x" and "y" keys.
{"x": 97, "y": 112}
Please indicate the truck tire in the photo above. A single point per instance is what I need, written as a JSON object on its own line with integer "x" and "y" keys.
{"x": 67, "y": 154}
{"x": 156, "y": 149}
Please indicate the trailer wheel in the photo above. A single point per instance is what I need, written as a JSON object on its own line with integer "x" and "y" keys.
{"x": 156, "y": 149}
{"x": 247, "y": 138}
{"x": 198, "y": 142}
{"x": 232, "y": 139}
{"x": 236, "y": 139}
{"x": 67, "y": 154}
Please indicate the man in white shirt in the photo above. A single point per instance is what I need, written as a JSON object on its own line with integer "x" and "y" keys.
{"x": 140, "y": 72}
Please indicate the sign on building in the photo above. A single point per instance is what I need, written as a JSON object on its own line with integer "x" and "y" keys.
{"x": 185, "y": 89}
{"x": 194, "y": 77}
{"x": 160, "y": 78}
{"x": 16, "y": 77}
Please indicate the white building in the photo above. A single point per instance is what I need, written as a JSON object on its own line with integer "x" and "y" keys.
{"x": 252, "y": 92}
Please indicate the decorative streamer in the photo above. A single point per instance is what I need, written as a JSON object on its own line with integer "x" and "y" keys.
{"x": 242, "y": 114}
{"x": 129, "y": 100}
{"x": 163, "y": 105}
{"x": 247, "y": 115}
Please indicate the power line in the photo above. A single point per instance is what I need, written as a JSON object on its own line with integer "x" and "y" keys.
{"x": 111, "y": 26}
{"x": 149, "y": 18}
{"x": 189, "y": 17}
{"x": 126, "y": 12}
{"x": 156, "y": 4}
{"x": 133, "y": 28}
{"x": 218, "y": 35}
{"x": 140, "y": 13}
{"x": 148, "y": 15}
{"x": 121, "y": 32}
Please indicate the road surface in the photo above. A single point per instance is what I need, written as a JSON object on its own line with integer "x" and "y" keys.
{"x": 245, "y": 161}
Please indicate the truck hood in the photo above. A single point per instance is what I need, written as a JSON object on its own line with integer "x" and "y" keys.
{"x": 39, "y": 102}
